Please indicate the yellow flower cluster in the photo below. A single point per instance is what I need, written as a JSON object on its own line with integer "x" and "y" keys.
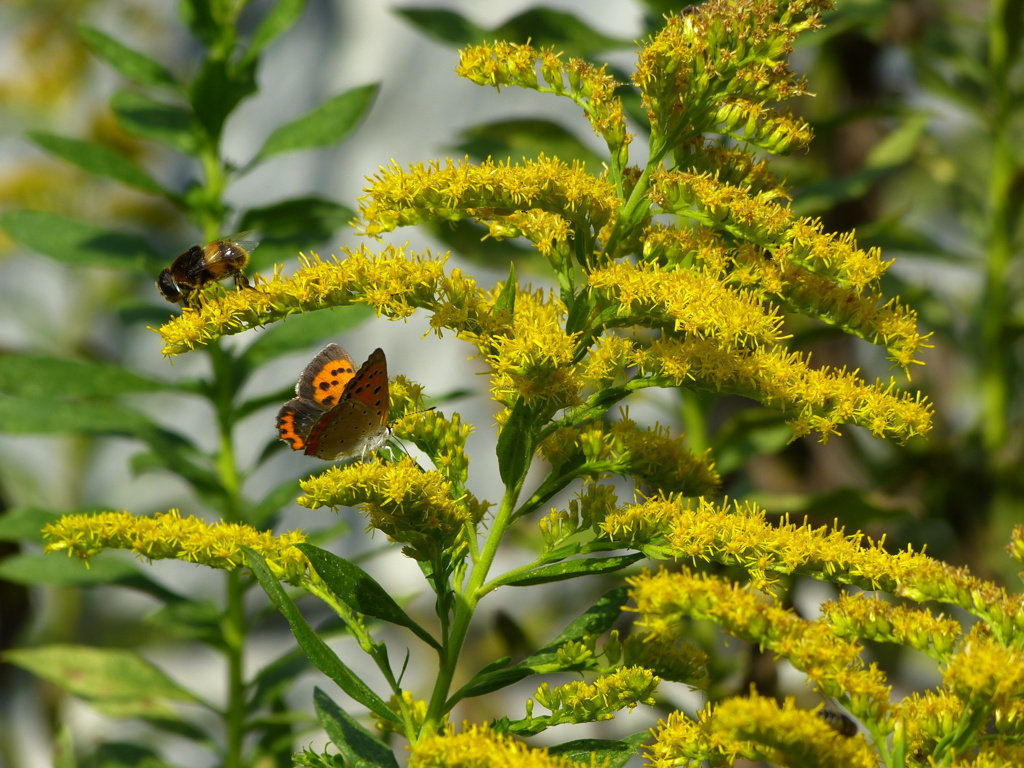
{"x": 488, "y": 192}
{"x": 590, "y": 87}
{"x": 870, "y": 618}
{"x": 687, "y": 302}
{"x": 534, "y": 360}
{"x": 442, "y": 439}
{"x": 734, "y": 533}
{"x": 833, "y": 663}
{"x": 395, "y": 283}
{"x": 720, "y": 64}
{"x": 171, "y": 536}
{"x": 985, "y": 673}
{"x": 409, "y": 505}
{"x": 755, "y": 728}
{"x": 814, "y": 399}
{"x": 580, "y": 702}
{"x": 478, "y": 746}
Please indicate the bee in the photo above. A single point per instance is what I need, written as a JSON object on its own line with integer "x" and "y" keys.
{"x": 842, "y": 724}
{"x": 203, "y": 264}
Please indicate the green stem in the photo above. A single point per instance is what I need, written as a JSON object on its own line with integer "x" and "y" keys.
{"x": 221, "y": 393}
{"x": 465, "y": 606}
{"x": 994, "y": 358}
{"x": 234, "y": 640}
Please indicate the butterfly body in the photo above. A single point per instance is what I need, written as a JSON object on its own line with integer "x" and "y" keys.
{"x": 339, "y": 412}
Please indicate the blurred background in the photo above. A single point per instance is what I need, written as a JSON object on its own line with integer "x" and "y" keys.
{"x": 911, "y": 128}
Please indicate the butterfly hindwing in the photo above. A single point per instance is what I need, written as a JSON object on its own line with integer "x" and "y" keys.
{"x": 296, "y": 420}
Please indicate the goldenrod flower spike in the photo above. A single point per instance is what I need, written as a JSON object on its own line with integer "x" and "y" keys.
{"x": 478, "y": 746}
{"x": 171, "y": 536}
{"x": 489, "y": 192}
{"x": 721, "y": 65}
{"x": 832, "y": 663}
{"x": 394, "y": 282}
{"x": 590, "y": 87}
{"x": 756, "y": 728}
{"x": 409, "y": 505}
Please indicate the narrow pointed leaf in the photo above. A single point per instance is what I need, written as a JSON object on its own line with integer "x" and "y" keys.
{"x": 301, "y": 331}
{"x": 507, "y": 299}
{"x": 82, "y": 245}
{"x": 27, "y": 376}
{"x": 357, "y": 745}
{"x": 280, "y": 19}
{"x": 317, "y": 651}
{"x": 360, "y": 591}
{"x": 43, "y": 416}
{"x": 570, "y": 569}
{"x": 324, "y": 126}
{"x": 147, "y": 118}
{"x": 101, "y": 674}
{"x": 596, "y": 620}
{"x": 217, "y": 90}
{"x": 134, "y": 65}
{"x": 515, "y": 445}
{"x": 611, "y": 753}
{"x": 99, "y": 161}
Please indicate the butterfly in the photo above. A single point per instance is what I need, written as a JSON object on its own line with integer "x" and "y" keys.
{"x": 338, "y": 412}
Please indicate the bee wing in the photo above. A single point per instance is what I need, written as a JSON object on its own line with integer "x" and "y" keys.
{"x": 245, "y": 240}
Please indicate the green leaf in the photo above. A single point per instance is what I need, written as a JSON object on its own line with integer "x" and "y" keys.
{"x": 44, "y": 416}
{"x": 99, "y": 161}
{"x": 134, "y": 65}
{"x": 278, "y": 677}
{"x": 899, "y": 146}
{"x": 217, "y": 90}
{"x": 326, "y": 125}
{"x": 447, "y": 26}
{"x": 546, "y": 27}
{"x": 121, "y": 678}
{"x": 26, "y": 524}
{"x": 79, "y": 244}
{"x": 148, "y": 118}
{"x": 481, "y": 684}
{"x": 606, "y": 752}
{"x": 596, "y": 620}
{"x": 570, "y": 569}
{"x": 59, "y": 570}
{"x": 190, "y": 620}
{"x": 280, "y": 19}
{"x": 357, "y": 745}
{"x": 507, "y": 299}
{"x": 197, "y": 16}
{"x": 359, "y": 591}
{"x": 750, "y": 432}
{"x": 294, "y": 225}
{"x": 317, "y": 651}
{"x": 119, "y": 754}
{"x": 515, "y": 445}
{"x": 542, "y": 27}
{"x": 524, "y": 139}
{"x": 300, "y": 331}
{"x": 50, "y": 377}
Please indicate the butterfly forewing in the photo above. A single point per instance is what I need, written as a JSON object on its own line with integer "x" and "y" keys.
{"x": 325, "y": 379}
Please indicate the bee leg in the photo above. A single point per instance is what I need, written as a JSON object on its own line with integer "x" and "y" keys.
{"x": 241, "y": 281}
